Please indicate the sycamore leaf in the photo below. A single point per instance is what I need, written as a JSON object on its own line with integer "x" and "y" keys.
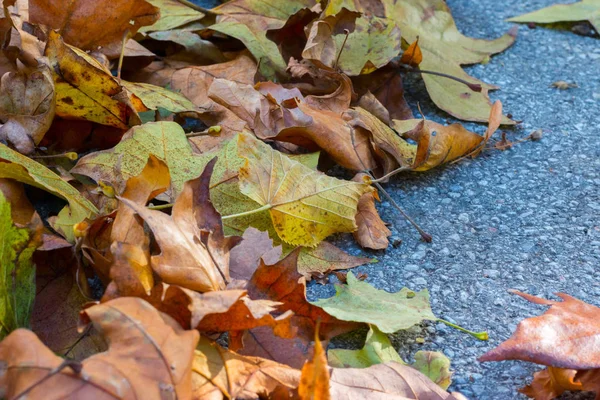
{"x": 172, "y": 15}
{"x": 390, "y": 312}
{"x": 165, "y": 140}
{"x": 89, "y": 24}
{"x": 17, "y": 275}
{"x": 305, "y": 205}
{"x": 249, "y": 21}
{"x": 218, "y": 373}
{"x": 326, "y": 258}
{"x": 386, "y": 381}
{"x": 314, "y": 380}
{"x": 377, "y": 350}
{"x": 444, "y": 143}
{"x": 26, "y": 108}
{"x": 149, "y": 356}
{"x": 565, "y": 336}
{"x": 85, "y": 90}
{"x": 586, "y": 10}
{"x": 23, "y": 169}
{"x": 373, "y": 43}
{"x": 444, "y": 50}
{"x": 194, "y": 252}
{"x": 282, "y": 283}
{"x": 153, "y": 97}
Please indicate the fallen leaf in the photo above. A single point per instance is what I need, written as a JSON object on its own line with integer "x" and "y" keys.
{"x": 173, "y": 14}
{"x": 305, "y": 206}
{"x": 192, "y": 256}
{"x": 384, "y": 381}
{"x": 17, "y": 278}
{"x": 153, "y": 97}
{"x": 314, "y": 378}
{"x": 327, "y": 257}
{"x": 165, "y": 140}
{"x": 26, "y": 108}
{"x": 282, "y": 283}
{"x": 445, "y": 142}
{"x": 249, "y": 21}
{"x": 586, "y": 10}
{"x": 372, "y": 232}
{"x": 149, "y": 356}
{"x": 412, "y": 55}
{"x": 562, "y": 85}
{"x": 434, "y": 365}
{"x": 218, "y": 374}
{"x": 85, "y": 90}
{"x": 537, "y": 339}
{"x": 444, "y": 50}
{"x": 390, "y": 312}
{"x": 89, "y": 24}
{"x": 246, "y": 256}
{"x": 552, "y": 382}
{"x": 23, "y": 169}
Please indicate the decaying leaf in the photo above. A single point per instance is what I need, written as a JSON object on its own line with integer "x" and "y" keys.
{"x": 165, "y": 140}
{"x": 390, "y": 312}
{"x": 17, "y": 274}
{"x": 194, "y": 252}
{"x": 149, "y": 355}
{"x": 26, "y": 108}
{"x": 305, "y": 206}
{"x": 85, "y": 90}
{"x": 91, "y": 24}
{"x": 172, "y": 15}
{"x": 314, "y": 381}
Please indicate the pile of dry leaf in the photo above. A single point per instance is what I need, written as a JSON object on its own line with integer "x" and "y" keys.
{"x": 188, "y": 146}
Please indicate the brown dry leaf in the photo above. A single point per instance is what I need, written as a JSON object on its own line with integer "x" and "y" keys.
{"x": 219, "y": 374}
{"x": 85, "y": 90}
{"x": 149, "y": 357}
{"x": 386, "y": 85}
{"x": 93, "y": 24}
{"x": 565, "y": 336}
{"x": 26, "y": 108}
{"x": 282, "y": 283}
{"x": 245, "y": 257}
{"x": 194, "y": 252}
{"x": 552, "y": 382}
{"x": 444, "y": 142}
{"x": 21, "y": 210}
{"x": 314, "y": 381}
{"x": 372, "y": 232}
{"x": 326, "y": 258}
{"x": 493, "y": 125}
{"x": 391, "y": 380}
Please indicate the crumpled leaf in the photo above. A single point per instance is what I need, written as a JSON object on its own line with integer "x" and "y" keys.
{"x": 552, "y": 382}
{"x": 390, "y": 312}
{"x": 26, "y": 108}
{"x": 172, "y": 15}
{"x": 444, "y": 50}
{"x": 17, "y": 274}
{"x": 218, "y": 374}
{"x": 586, "y": 10}
{"x": 165, "y": 140}
{"x": 373, "y": 43}
{"x": 326, "y": 258}
{"x": 282, "y": 283}
{"x": 305, "y": 206}
{"x": 385, "y": 381}
{"x": 372, "y": 232}
{"x": 194, "y": 252}
{"x": 149, "y": 355}
{"x": 89, "y": 24}
{"x": 249, "y": 21}
{"x": 85, "y": 90}
{"x": 153, "y": 97}
{"x": 246, "y": 256}
{"x": 565, "y": 336}
{"x": 444, "y": 143}
{"x": 23, "y": 169}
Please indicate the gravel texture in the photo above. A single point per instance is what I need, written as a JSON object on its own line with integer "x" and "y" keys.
{"x": 526, "y": 218}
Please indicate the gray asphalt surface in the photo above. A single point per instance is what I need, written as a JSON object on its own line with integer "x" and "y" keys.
{"x": 526, "y": 219}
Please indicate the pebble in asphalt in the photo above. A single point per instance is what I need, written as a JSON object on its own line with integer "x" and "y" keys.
{"x": 525, "y": 219}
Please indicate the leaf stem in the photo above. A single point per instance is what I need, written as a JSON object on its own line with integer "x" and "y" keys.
{"x": 161, "y": 206}
{"x": 473, "y": 86}
{"x": 389, "y": 174}
{"x": 478, "y": 335}
{"x": 243, "y": 214}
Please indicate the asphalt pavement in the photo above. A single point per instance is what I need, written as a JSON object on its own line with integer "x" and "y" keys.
{"x": 527, "y": 218}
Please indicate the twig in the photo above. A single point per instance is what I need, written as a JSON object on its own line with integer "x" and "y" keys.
{"x": 347, "y": 32}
